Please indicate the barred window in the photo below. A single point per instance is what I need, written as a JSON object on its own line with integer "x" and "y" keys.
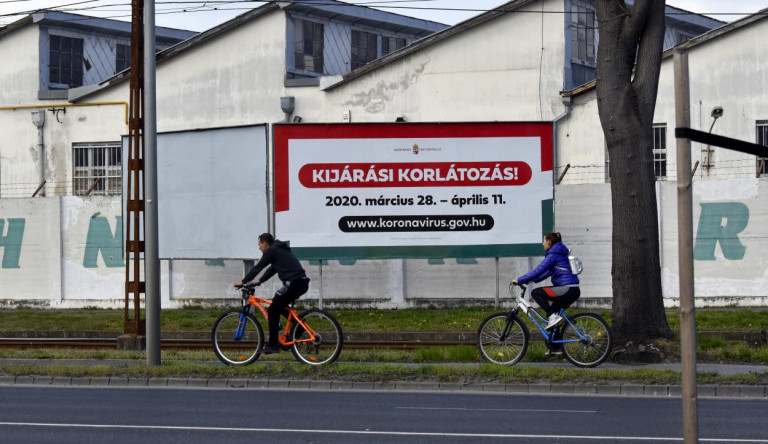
{"x": 660, "y": 151}
{"x": 97, "y": 165}
{"x": 762, "y": 139}
{"x": 65, "y": 61}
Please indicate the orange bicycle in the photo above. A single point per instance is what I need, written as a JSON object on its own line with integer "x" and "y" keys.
{"x": 314, "y": 336}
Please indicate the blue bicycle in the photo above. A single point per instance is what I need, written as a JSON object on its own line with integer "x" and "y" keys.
{"x": 502, "y": 338}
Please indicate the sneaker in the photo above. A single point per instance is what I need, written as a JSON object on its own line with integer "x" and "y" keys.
{"x": 557, "y": 352}
{"x": 269, "y": 349}
{"x": 554, "y": 319}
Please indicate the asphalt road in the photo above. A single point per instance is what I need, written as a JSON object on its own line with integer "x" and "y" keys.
{"x": 160, "y": 415}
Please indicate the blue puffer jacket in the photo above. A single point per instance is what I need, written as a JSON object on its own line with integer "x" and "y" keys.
{"x": 555, "y": 265}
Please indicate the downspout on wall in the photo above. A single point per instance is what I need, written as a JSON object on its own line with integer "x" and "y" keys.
{"x": 38, "y": 119}
{"x": 567, "y": 103}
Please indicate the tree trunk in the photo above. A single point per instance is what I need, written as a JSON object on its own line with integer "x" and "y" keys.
{"x": 629, "y": 61}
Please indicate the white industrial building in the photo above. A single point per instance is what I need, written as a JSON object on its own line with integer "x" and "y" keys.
{"x": 508, "y": 64}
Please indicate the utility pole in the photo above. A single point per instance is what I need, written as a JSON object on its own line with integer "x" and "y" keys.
{"x": 135, "y": 327}
{"x": 685, "y": 249}
{"x": 151, "y": 255}
{"x": 141, "y": 233}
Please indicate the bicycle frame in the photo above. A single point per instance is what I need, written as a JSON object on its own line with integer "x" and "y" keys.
{"x": 540, "y": 321}
{"x": 261, "y": 304}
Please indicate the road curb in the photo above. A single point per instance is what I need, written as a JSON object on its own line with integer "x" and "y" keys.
{"x": 674, "y": 391}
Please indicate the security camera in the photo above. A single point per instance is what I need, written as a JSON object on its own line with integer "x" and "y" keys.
{"x": 717, "y": 112}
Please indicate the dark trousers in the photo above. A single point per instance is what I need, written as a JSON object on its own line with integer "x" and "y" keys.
{"x": 285, "y": 296}
{"x": 552, "y": 299}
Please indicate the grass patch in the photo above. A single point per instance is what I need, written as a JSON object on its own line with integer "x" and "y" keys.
{"x": 384, "y": 373}
{"x": 466, "y": 319}
{"x": 458, "y": 353}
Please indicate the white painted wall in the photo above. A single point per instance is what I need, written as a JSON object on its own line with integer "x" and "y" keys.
{"x": 36, "y": 277}
{"x": 496, "y": 71}
{"x": 18, "y": 145}
{"x": 20, "y": 79}
{"x": 53, "y": 270}
{"x": 583, "y": 216}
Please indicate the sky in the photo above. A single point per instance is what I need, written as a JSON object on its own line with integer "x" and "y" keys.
{"x": 202, "y": 15}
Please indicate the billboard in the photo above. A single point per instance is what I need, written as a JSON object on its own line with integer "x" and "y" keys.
{"x": 413, "y": 190}
{"x": 211, "y": 190}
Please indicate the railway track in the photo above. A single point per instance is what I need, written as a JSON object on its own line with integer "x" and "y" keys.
{"x": 403, "y": 341}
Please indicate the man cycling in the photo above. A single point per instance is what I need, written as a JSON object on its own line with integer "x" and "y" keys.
{"x": 278, "y": 256}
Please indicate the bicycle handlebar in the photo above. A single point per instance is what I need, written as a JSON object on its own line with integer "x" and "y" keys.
{"x": 246, "y": 289}
{"x": 521, "y": 302}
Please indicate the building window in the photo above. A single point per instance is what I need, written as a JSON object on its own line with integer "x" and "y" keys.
{"x": 364, "y": 48}
{"x": 391, "y": 44}
{"x": 122, "y": 57}
{"x": 583, "y": 32}
{"x": 762, "y": 139}
{"x": 65, "y": 63}
{"x": 308, "y": 45}
{"x": 660, "y": 151}
{"x": 97, "y": 165}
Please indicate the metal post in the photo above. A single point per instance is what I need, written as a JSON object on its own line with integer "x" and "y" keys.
{"x": 496, "y": 303}
{"x": 151, "y": 255}
{"x": 42, "y": 184}
{"x": 685, "y": 249}
{"x": 320, "y": 296}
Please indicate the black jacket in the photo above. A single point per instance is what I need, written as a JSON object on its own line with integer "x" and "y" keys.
{"x": 281, "y": 261}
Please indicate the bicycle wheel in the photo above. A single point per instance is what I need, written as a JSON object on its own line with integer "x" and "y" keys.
{"x": 511, "y": 348}
{"x": 328, "y": 338}
{"x": 593, "y": 340}
{"x": 230, "y": 350}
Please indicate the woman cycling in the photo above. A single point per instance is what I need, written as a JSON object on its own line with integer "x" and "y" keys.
{"x": 565, "y": 285}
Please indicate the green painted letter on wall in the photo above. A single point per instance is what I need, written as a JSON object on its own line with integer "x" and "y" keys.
{"x": 721, "y": 222}
{"x": 12, "y": 241}
{"x": 100, "y": 238}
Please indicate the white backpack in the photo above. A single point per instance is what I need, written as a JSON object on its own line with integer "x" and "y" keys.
{"x": 576, "y": 266}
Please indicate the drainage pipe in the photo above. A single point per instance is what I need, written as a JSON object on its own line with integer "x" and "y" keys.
{"x": 38, "y": 119}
